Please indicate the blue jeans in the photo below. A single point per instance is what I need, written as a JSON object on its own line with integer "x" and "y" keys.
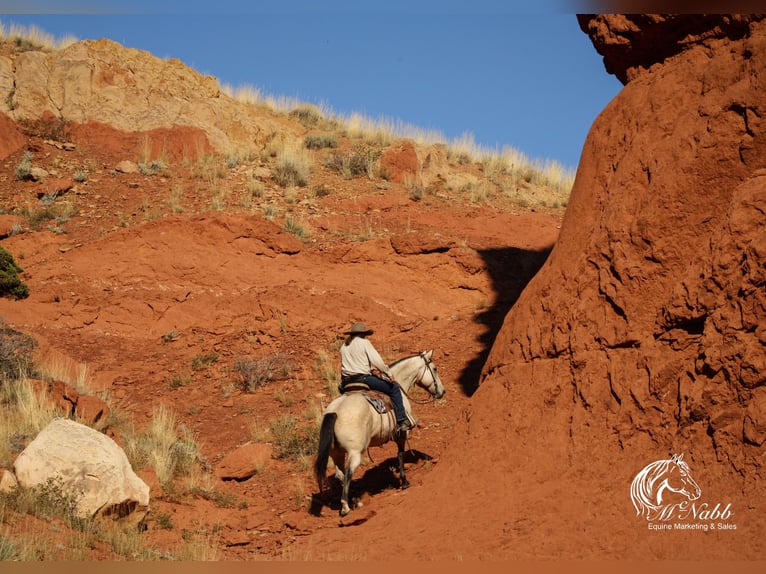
{"x": 392, "y": 390}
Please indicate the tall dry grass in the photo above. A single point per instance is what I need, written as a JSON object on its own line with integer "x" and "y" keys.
{"x": 383, "y": 131}
{"x": 27, "y": 37}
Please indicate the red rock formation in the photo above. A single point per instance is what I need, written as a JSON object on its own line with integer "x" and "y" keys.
{"x": 643, "y": 334}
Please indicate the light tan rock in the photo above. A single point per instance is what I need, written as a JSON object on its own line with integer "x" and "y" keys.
{"x": 86, "y": 462}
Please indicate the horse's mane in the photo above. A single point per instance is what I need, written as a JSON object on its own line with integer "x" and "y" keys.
{"x": 404, "y": 359}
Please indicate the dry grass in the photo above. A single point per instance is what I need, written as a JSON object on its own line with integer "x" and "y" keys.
{"x": 32, "y": 37}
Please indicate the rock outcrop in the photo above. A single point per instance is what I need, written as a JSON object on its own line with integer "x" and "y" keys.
{"x": 131, "y": 90}
{"x": 643, "y": 334}
{"x": 89, "y": 465}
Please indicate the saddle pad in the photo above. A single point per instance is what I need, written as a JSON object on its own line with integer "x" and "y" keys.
{"x": 381, "y": 402}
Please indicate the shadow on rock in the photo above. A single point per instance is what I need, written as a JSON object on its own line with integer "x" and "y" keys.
{"x": 511, "y": 269}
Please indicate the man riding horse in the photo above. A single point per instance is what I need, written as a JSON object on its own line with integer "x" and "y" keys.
{"x": 361, "y": 363}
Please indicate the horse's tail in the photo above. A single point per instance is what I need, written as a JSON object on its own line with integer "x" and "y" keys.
{"x": 326, "y": 437}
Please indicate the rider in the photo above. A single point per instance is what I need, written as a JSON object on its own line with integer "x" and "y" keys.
{"x": 360, "y": 362}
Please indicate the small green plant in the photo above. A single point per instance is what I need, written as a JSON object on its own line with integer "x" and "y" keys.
{"x": 170, "y": 336}
{"x": 291, "y": 170}
{"x": 360, "y": 161}
{"x": 46, "y": 500}
{"x": 179, "y": 380}
{"x": 151, "y": 168}
{"x": 80, "y": 176}
{"x": 307, "y": 115}
{"x": 320, "y": 141}
{"x": 23, "y": 170}
{"x": 8, "y": 549}
{"x": 290, "y": 441}
{"x": 15, "y": 353}
{"x": 164, "y": 521}
{"x": 256, "y": 373}
{"x": 204, "y": 360}
{"x": 11, "y": 286}
{"x": 292, "y": 226}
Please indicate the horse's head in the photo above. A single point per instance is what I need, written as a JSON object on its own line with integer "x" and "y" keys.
{"x": 678, "y": 478}
{"x": 430, "y": 380}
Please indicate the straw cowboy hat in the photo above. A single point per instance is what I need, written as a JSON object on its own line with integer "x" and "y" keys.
{"x": 359, "y": 329}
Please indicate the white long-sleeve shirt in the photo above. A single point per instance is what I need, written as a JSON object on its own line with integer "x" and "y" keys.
{"x": 358, "y": 356}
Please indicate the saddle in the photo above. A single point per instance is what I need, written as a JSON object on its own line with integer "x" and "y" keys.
{"x": 381, "y": 402}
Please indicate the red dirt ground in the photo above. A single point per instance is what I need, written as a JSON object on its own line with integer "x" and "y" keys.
{"x": 134, "y": 266}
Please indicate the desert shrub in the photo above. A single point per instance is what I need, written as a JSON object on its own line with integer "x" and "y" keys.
{"x": 60, "y": 213}
{"x": 307, "y": 115}
{"x": 80, "y": 176}
{"x": 256, "y": 373}
{"x": 360, "y": 161}
{"x": 290, "y": 441}
{"x": 292, "y": 226}
{"x": 46, "y": 500}
{"x": 11, "y": 286}
{"x": 162, "y": 448}
{"x": 320, "y": 141}
{"x": 152, "y": 167}
{"x": 204, "y": 360}
{"x": 292, "y": 168}
{"x": 8, "y": 550}
{"x": 15, "y": 353}
{"x": 23, "y": 170}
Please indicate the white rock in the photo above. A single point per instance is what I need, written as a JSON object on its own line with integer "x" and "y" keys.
{"x": 89, "y": 465}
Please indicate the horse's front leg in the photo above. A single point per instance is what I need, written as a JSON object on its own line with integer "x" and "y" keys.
{"x": 401, "y": 440}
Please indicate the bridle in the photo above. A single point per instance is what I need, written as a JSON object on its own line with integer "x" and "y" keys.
{"x": 427, "y": 368}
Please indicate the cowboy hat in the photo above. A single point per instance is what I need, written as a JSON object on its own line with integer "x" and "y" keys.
{"x": 359, "y": 329}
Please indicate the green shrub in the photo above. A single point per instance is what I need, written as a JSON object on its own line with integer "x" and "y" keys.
{"x": 11, "y": 286}
{"x": 24, "y": 168}
{"x": 360, "y": 161}
{"x": 307, "y": 115}
{"x": 15, "y": 353}
{"x": 320, "y": 141}
{"x": 290, "y": 441}
{"x": 255, "y": 373}
{"x": 204, "y": 360}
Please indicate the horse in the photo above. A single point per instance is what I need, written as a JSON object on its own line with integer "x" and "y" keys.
{"x": 351, "y": 425}
{"x": 649, "y": 486}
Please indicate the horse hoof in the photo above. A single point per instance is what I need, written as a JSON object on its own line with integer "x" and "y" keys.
{"x": 405, "y": 485}
{"x": 344, "y": 511}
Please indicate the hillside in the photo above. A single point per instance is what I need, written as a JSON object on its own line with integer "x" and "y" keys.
{"x": 179, "y": 233}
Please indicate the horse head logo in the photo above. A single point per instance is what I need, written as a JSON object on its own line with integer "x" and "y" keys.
{"x": 658, "y": 479}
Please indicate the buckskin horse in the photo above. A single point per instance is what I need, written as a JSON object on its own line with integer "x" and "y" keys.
{"x": 351, "y": 424}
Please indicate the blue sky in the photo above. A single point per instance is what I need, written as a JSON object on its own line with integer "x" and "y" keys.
{"x": 508, "y": 75}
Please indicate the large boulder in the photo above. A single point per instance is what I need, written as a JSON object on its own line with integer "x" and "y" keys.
{"x": 88, "y": 465}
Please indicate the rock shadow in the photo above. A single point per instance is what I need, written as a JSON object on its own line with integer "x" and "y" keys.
{"x": 510, "y": 269}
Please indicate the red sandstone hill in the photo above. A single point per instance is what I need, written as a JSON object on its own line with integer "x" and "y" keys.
{"x": 640, "y": 336}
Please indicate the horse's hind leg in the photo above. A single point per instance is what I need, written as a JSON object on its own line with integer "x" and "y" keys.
{"x": 400, "y": 442}
{"x": 354, "y": 459}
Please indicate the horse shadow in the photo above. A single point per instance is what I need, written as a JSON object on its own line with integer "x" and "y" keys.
{"x": 376, "y": 479}
{"x": 510, "y": 270}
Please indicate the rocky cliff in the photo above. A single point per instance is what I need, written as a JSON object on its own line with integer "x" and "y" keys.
{"x": 128, "y": 89}
{"x": 645, "y": 332}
